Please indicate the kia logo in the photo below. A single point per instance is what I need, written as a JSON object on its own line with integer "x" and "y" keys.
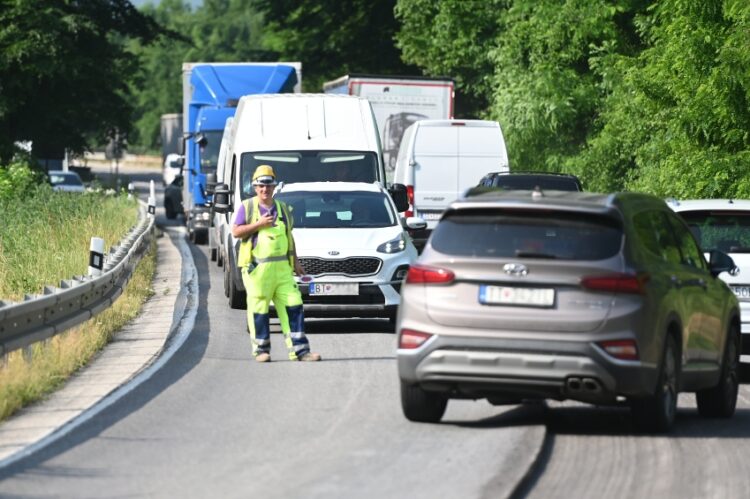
{"x": 333, "y": 253}
{"x": 517, "y": 269}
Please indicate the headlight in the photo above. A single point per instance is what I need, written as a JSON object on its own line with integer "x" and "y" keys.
{"x": 394, "y": 245}
{"x": 203, "y": 216}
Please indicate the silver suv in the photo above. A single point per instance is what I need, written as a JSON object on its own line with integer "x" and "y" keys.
{"x": 567, "y": 295}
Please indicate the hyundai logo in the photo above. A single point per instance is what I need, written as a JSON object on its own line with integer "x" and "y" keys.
{"x": 333, "y": 253}
{"x": 517, "y": 269}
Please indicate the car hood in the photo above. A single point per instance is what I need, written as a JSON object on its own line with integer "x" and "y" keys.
{"x": 345, "y": 240}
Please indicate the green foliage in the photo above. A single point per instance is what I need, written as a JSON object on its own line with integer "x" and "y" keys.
{"x": 64, "y": 71}
{"x": 17, "y": 179}
{"x": 46, "y": 237}
{"x": 333, "y": 37}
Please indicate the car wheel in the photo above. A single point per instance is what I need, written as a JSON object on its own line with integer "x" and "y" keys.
{"x": 421, "y": 406}
{"x": 721, "y": 400}
{"x": 169, "y": 209}
{"x": 220, "y": 258}
{"x": 226, "y": 280}
{"x": 214, "y": 254}
{"x": 656, "y": 413}
{"x": 237, "y": 298}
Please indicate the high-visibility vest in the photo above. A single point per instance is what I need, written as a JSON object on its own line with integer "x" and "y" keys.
{"x": 252, "y": 215}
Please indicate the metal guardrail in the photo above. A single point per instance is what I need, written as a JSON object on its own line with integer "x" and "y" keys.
{"x": 76, "y": 300}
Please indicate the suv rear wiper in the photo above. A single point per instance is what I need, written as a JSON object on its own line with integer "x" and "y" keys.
{"x": 534, "y": 254}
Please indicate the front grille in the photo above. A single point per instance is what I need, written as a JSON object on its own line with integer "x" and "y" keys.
{"x": 354, "y": 266}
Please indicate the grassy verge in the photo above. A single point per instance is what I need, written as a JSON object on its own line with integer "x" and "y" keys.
{"x": 45, "y": 236}
{"x": 29, "y": 376}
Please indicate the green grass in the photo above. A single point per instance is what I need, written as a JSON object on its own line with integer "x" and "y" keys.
{"x": 46, "y": 237}
{"x": 26, "y": 377}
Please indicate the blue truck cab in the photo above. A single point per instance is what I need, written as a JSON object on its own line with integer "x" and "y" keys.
{"x": 211, "y": 92}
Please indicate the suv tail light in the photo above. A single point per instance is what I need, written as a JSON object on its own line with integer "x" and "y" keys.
{"x": 423, "y": 274}
{"x": 410, "y": 195}
{"x": 621, "y": 349}
{"x": 410, "y": 339}
{"x": 617, "y": 283}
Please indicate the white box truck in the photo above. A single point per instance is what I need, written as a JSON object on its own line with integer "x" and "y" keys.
{"x": 398, "y": 101}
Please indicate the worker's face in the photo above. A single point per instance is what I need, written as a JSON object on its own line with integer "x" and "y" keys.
{"x": 264, "y": 192}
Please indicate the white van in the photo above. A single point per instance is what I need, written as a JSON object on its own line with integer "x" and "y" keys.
{"x": 305, "y": 138}
{"x": 220, "y": 222}
{"x": 439, "y": 159}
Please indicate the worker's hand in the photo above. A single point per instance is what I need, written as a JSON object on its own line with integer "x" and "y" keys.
{"x": 265, "y": 221}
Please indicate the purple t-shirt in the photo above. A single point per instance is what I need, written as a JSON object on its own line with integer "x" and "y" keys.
{"x": 239, "y": 218}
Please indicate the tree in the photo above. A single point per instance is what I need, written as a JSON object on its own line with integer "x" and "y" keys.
{"x": 333, "y": 37}
{"x": 64, "y": 71}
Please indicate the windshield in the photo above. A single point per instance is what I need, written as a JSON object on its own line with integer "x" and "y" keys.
{"x": 726, "y": 230}
{"x": 530, "y": 182}
{"x": 519, "y": 234}
{"x": 310, "y": 166}
{"x": 336, "y": 209}
{"x": 64, "y": 179}
{"x": 209, "y": 153}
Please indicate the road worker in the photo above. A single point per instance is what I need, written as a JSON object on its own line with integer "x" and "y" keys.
{"x": 268, "y": 262}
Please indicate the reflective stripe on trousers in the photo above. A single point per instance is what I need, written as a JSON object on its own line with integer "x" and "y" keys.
{"x": 274, "y": 282}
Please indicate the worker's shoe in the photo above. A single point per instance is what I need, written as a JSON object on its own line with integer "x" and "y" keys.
{"x": 309, "y": 357}
{"x": 263, "y": 357}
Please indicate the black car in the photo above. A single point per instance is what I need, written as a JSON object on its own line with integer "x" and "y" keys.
{"x": 531, "y": 180}
{"x": 173, "y": 198}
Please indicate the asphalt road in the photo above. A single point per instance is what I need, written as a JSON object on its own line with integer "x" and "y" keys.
{"x": 214, "y": 423}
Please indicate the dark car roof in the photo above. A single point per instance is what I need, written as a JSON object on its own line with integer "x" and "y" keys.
{"x": 528, "y": 179}
{"x": 588, "y": 202}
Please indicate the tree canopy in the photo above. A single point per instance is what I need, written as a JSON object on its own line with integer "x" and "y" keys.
{"x": 64, "y": 71}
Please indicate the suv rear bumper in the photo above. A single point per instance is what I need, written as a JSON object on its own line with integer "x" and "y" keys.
{"x": 481, "y": 367}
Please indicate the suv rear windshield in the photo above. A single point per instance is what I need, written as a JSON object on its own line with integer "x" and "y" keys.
{"x": 527, "y": 234}
{"x": 726, "y": 230}
{"x": 310, "y": 166}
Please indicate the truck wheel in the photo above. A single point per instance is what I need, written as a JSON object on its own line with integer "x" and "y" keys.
{"x": 721, "y": 400}
{"x": 237, "y": 298}
{"x": 200, "y": 237}
{"x": 169, "y": 209}
{"x": 421, "y": 406}
{"x": 656, "y": 413}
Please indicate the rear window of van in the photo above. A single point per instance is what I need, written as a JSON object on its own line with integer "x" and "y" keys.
{"x": 527, "y": 234}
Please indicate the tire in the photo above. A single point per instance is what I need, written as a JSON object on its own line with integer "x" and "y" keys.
{"x": 421, "y": 406}
{"x": 169, "y": 209}
{"x": 220, "y": 258}
{"x": 237, "y": 298}
{"x": 721, "y": 400}
{"x": 226, "y": 280}
{"x": 200, "y": 237}
{"x": 656, "y": 413}
{"x": 214, "y": 254}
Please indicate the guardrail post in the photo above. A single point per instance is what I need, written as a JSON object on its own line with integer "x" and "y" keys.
{"x": 131, "y": 190}
{"x": 96, "y": 256}
{"x": 152, "y": 200}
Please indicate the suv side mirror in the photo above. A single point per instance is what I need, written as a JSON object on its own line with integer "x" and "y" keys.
{"x": 399, "y": 196}
{"x": 210, "y": 183}
{"x": 180, "y": 162}
{"x": 721, "y": 262}
{"x": 221, "y": 199}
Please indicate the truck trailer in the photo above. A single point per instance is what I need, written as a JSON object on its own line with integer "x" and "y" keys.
{"x": 210, "y": 93}
{"x": 398, "y": 101}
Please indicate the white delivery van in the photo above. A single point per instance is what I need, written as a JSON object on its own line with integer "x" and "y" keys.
{"x": 440, "y": 159}
{"x": 305, "y": 138}
{"x": 220, "y": 222}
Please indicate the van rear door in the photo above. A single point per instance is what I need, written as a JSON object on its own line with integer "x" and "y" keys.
{"x": 435, "y": 170}
{"x": 481, "y": 149}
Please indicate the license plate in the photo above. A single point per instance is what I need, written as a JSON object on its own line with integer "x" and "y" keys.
{"x": 508, "y": 295}
{"x": 742, "y": 292}
{"x": 328, "y": 288}
{"x": 430, "y": 215}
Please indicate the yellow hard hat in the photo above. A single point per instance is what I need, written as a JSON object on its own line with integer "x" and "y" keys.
{"x": 264, "y": 175}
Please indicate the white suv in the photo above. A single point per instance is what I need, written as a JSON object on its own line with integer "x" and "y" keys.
{"x": 352, "y": 245}
{"x": 724, "y": 224}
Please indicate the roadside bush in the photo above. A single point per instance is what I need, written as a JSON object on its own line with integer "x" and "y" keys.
{"x": 17, "y": 179}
